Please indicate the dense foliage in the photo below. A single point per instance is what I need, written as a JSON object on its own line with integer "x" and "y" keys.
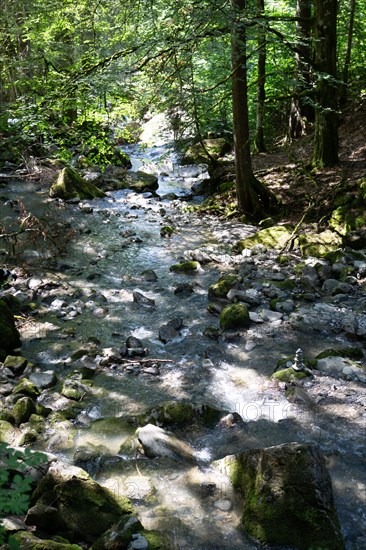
{"x": 67, "y": 63}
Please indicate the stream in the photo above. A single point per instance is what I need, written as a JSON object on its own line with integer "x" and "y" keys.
{"x": 90, "y": 303}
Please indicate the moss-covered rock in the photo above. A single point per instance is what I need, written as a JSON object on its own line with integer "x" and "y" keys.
{"x": 141, "y": 181}
{"x": 7, "y": 432}
{"x": 186, "y": 267}
{"x": 235, "y": 316}
{"x": 319, "y": 244}
{"x": 26, "y": 387}
{"x": 167, "y": 231}
{"x": 181, "y": 413}
{"x": 216, "y": 147}
{"x": 9, "y": 335}
{"x": 70, "y": 185}
{"x": 289, "y": 375}
{"x": 16, "y": 364}
{"x": 85, "y": 510}
{"x": 223, "y": 285}
{"x": 275, "y": 237}
{"x": 355, "y": 353}
{"x": 120, "y": 534}
{"x": 25, "y": 540}
{"x": 287, "y": 495}
{"x": 23, "y": 409}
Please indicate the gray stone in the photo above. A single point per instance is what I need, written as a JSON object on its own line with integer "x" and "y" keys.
{"x": 43, "y": 380}
{"x": 157, "y": 442}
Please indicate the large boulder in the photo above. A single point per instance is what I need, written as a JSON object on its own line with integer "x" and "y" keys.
{"x": 287, "y": 495}
{"x": 157, "y": 442}
{"x": 141, "y": 181}
{"x": 9, "y": 335}
{"x": 70, "y": 185}
{"x": 84, "y": 510}
{"x": 235, "y": 316}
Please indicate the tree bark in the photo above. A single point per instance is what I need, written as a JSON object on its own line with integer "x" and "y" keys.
{"x": 325, "y": 66}
{"x": 301, "y": 109}
{"x": 347, "y": 60}
{"x": 254, "y": 199}
{"x": 261, "y": 83}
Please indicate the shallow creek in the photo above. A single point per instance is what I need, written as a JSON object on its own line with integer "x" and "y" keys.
{"x": 117, "y": 239}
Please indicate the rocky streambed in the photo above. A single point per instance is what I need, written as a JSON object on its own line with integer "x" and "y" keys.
{"x": 156, "y": 320}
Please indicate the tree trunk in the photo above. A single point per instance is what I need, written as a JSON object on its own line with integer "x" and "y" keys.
{"x": 301, "y": 109}
{"x": 325, "y": 66}
{"x": 254, "y": 199}
{"x": 347, "y": 60}
{"x": 261, "y": 83}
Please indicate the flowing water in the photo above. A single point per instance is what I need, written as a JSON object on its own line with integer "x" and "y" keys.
{"x": 97, "y": 278}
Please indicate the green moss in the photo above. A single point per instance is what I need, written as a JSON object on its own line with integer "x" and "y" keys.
{"x": 222, "y": 287}
{"x": 155, "y": 540}
{"x": 280, "y": 508}
{"x": 234, "y": 316}
{"x": 282, "y": 259}
{"x": 167, "y": 231}
{"x": 350, "y": 352}
{"x": 273, "y": 237}
{"x": 15, "y": 363}
{"x": 186, "y": 267}
{"x": 319, "y": 244}
{"x": 70, "y": 184}
{"x": 226, "y": 186}
{"x": 26, "y": 387}
{"x": 288, "y": 375}
{"x": 284, "y": 285}
{"x": 7, "y": 432}
{"x": 23, "y": 409}
{"x": 25, "y": 540}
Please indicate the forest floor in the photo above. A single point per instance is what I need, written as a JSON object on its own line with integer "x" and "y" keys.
{"x": 288, "y": 173}
{"x": 302, "y": 189}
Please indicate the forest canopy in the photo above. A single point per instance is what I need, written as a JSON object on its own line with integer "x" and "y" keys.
{"x": 77, "y": 65}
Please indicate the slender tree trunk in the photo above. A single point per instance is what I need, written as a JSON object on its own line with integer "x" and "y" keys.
{"x": 261, "y": 83}
{"x": 325, "y": 65}
{"x": 254, "y": 199}
{"x": 347, "y": 60}
{"x": 301, "y": 109}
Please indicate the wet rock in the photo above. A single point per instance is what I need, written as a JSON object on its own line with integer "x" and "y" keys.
{"x": 85, "y": 509}
{"x": 71, "y": 185}
{"x": 223, "y": 286}
{"x": 250, "y": 296}
{"x": 16, "y": 364}
{"x": 91, "y": 457}
{"x": 119, "y": 535}
{"x": 8, "y": 433}
{"x": 75, "y": 389}
{"x": 157, "y": 442}
{"x": 149, "y": 275}
{"x": 184, "y": 289}
{"x": 141, "y": 181}
{"x": 170, "y": 330}
{"x": 186, "y": 267}
{"x": 135, "y": 348}
{"x": 318, "y": 244}
{"x": 27, "y": 387}
{"x": 9, "y": 335}
{"x": 23, "y": 409}
{"x": 167, "y": 231}
{"x": 29, "y": 541}
{"x": 289, "y": 375}
{"x": 273, "y": 237}
{"x": 235, "y": 316}
{"x": 141, "y": 299}
{"x": 181, "y": 413}
{"x": 287, "y": 496}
